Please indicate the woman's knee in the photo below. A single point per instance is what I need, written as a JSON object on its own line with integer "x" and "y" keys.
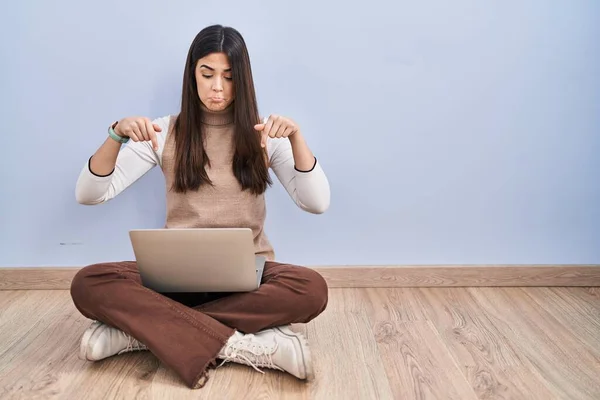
{"x": 84, "y": 285}
{"x": 316, "y": 292}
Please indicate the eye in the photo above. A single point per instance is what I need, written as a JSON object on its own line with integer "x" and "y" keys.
{"x": 207, "y": 76}
{"x": 228, "y": 78}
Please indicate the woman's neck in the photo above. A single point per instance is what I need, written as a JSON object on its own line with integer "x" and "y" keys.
{"x": 217, "y": 118}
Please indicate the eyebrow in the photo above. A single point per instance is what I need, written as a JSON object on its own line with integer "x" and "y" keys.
{"x": 212, "y": 69}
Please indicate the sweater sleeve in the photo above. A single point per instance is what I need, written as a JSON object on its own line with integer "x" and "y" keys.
{"x": 309, "y": 189}
{"x": 133, "y": 161}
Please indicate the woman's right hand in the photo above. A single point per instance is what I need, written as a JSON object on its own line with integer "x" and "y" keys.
{"x": 139, "y": 129}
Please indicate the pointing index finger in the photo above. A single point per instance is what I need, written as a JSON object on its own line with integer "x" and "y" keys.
{"x": 152, "y": 134}
{"x": 263, "y": 139}
{"x": 264, "y": 132}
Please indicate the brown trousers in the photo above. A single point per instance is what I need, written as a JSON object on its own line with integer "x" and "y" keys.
{"x": 186, "y": 331}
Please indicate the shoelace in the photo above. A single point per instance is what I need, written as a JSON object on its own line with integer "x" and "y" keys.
{"x": 133, "y": 345}
{"x": 259, "y": 355}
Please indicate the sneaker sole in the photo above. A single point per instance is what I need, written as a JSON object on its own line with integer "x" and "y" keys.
{"x": 85, "y": 340}
{"x": 305, "y": 350}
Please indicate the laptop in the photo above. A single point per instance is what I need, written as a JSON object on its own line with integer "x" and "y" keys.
{"x": 197, "y": 260}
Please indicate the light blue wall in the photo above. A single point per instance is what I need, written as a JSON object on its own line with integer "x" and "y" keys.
{"x": 452, "y": 132}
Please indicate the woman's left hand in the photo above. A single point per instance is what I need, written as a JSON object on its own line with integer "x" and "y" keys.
{"x": 276, "y": 127}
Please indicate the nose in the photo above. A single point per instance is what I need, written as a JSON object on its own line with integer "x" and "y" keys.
{"x": 218, "y": 85}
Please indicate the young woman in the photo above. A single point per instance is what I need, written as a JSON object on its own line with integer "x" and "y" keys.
{"x": 215, "y": 156}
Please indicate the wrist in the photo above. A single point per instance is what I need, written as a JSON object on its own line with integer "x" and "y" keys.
{"x": 114, "y": 134}
{"x": 296, "y": 137}
{"x": 116, "y": 129}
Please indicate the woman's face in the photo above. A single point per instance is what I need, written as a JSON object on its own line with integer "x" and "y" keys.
{"x": 214, "y": 84}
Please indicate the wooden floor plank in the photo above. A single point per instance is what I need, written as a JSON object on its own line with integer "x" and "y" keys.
{"x": 395, "y": 304}
{"x": 8, "y": 297}
{"x": 348, "y": 364}
{"x": 585, "y": 301}
{"x": 579, "y": 317}
{"x": 594, "y": 291}
{"x": 347, "y": 300}
{"x": 13, "y": 302}
{"x": 23, "y": 318}
{"x": 492, "y": 367}
{"x": 558, "y": 356}
{"x": 33, "y": 364}
{"x": 416, "y": 360}
{"x": 127, "y": 376}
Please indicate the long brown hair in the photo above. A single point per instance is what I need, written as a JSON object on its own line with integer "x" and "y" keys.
{"x": 249, "y": 160}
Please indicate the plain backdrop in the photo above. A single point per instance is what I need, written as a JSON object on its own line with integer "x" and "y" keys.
{"x": 463, "y": 132}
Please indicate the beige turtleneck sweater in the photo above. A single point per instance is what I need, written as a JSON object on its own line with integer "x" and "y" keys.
{"x": 224, "y": 205}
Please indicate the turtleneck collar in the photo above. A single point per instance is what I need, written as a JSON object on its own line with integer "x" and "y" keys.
{"x": 217, "y": 118}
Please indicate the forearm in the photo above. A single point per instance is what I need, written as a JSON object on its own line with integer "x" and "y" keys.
{"x": 105, "y": 158}
{"x": 306, "y": 183}
{"x": 304, "y": 159}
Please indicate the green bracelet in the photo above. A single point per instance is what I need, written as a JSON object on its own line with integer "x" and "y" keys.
{"x": 113, "y": 135}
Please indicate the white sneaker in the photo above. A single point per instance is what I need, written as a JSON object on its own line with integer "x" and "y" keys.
{"x": 278, "y": 348}
{"x": 101, "y": 341}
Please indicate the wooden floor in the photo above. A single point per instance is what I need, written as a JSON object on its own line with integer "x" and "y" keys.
{"x": 454, "y": 343}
